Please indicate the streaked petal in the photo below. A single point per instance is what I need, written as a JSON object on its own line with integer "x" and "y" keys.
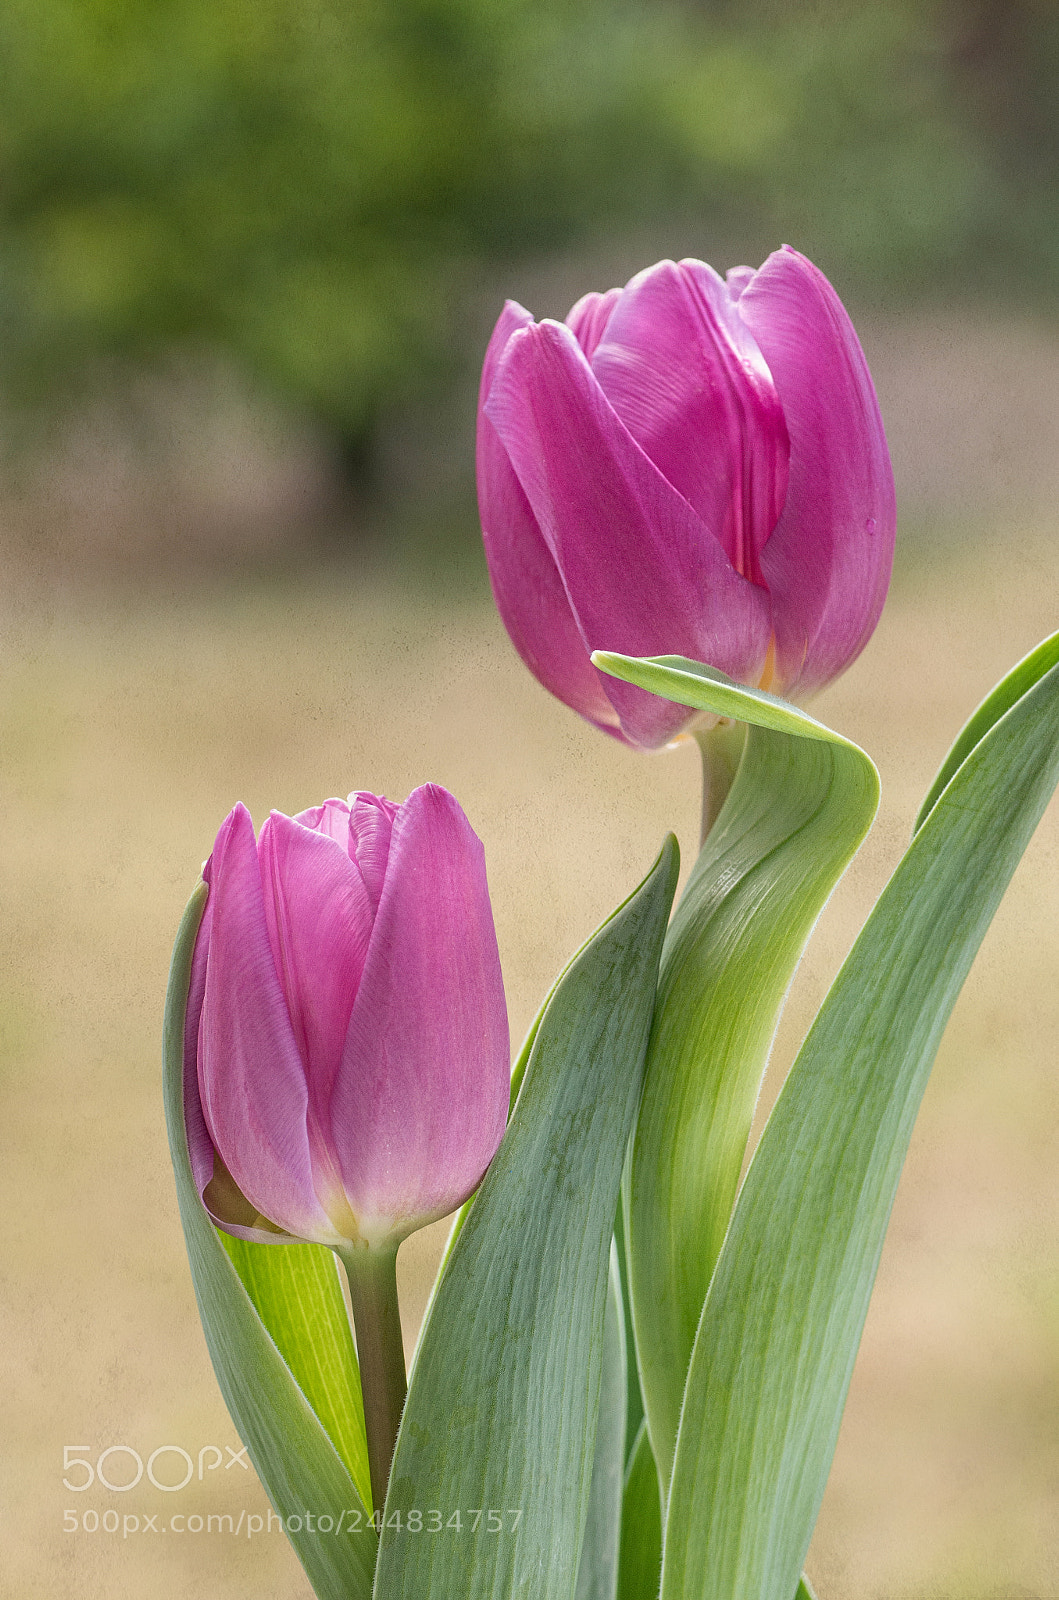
{"x": 228, "y": 1208}
{"x": 251, "y": 1078}
{"x": 420, "y": 1103}
{"x": 828, "y": 563}
{"x": 200, "y": 1145}
{"x": 643, "y": 573}
{"x": 588, "y": 319}
{"x": 370, "y": 826}
{"x": 319, "y": 918}
{"x": 526, "y": 584}
{"x": 685, "y": 376}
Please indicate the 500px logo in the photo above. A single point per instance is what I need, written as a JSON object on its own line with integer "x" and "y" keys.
{"x": 119, "y": 1467}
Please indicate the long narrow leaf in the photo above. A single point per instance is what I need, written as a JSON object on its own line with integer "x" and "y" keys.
{"x": 518, "y": 1072}
{"x": 802, "y": 800}
{"x": 597, "y": 1575}
{"x": 633, "y": 1393}
{"x": 640, "y": 1564}
{"x": 501, "y": 1411}
{"x": 297, "y": 1462}
{"x": 997, "y": 701}
{"x": 781, "y": 1324}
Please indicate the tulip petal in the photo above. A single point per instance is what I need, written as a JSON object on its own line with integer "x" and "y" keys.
{"x": 736, "y": 280}
{"x": 251, "y": 1078}
{"x": 370, "y": 827}
{"x": 526, "y": 584}
{"x": 331, "y": 818}
{"x": 219, "y": 1194}
{"x": 420, "y": 1102}
{"x": 640, "y": 567}
{"x": 200, "y": 1145}
{"x": 588, "y": 319}
{"x": 684, "y": 374}
{"x": 827, "y": 565}
{"x": 319, "y": 916}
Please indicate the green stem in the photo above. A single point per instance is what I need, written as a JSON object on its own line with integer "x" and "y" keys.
{"x": 372, "y": 1276}
{"x": 722, "y": 750}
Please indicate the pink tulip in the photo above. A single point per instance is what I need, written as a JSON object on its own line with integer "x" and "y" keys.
{"x": 686, "y": 466}
{"x": 346, "y": 1057}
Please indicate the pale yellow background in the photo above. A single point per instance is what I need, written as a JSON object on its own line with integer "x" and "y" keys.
{"x": 131, "y": 720}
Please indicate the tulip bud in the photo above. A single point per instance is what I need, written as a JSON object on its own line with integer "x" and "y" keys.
{"x": 686, "y": 466}
{"x": 347, "y": 1066}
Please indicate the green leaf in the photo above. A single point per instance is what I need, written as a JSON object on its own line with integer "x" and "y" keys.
{"x": 801, "y": 802}
{"x": 297, "y": 1292}
{"x": 997, "y": 701}
{"x": 641, "y": 1525}
{"x": 693, "y": 683}
{"x": 633, "y": 1396}
{"x": 518, "y": 1072}
{"x": 597, "y": 1575}
{"x": 299, "y": 1466}
{"x": 783, "y": 1318}
{"x": 502, "y": 1406}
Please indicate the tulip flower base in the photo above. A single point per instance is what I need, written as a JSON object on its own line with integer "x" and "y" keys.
{"x": 653, "y": 1412}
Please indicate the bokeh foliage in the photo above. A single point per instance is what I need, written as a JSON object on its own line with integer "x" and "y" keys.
{"x": 314, "y": 185}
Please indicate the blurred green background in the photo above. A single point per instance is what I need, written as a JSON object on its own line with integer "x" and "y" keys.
{"x": 325, "y": 197}
{"x": 250, "y": 253}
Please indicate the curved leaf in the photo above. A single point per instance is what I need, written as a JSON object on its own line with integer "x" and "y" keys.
{"x": 1010, "y": 689}
{"x": 782, "y": 1321}
{"x": 693, "y": 683}
{"x": 295, "y": 1459}
{"x": 802, "y": 800}
{"x": 501, "y": 1411}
